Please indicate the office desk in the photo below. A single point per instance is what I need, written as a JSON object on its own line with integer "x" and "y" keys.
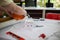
{"x": 48, "y": 28}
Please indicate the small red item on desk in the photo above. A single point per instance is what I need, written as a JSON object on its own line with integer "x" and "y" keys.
{"x": 14, "y": 35}
{"x": 42, "y": 35}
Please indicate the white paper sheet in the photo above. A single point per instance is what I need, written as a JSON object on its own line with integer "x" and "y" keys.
{"x": 33, "y": 33}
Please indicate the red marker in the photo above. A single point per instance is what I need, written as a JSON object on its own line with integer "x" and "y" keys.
{"x": 14, "y": 35}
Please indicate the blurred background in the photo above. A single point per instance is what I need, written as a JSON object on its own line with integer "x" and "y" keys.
{"x": 33, "y": 3}
{"x": 41, "y": 3}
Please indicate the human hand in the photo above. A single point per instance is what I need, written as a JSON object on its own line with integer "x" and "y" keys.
{"x": 13, "y": 10}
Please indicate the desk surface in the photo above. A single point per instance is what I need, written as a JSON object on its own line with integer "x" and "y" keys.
{"x": 48, "y": 25}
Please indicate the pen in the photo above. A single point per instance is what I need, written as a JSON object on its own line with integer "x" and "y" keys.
{"x": 16, "y": 36}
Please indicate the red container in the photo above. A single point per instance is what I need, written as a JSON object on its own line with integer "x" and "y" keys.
{"x": 58, "y": 16}
{"x": 52, "y": 16}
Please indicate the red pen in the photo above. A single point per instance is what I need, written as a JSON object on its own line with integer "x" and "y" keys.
{"x": 14, "y": 35}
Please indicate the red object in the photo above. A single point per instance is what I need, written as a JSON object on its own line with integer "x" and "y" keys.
{"x": 58, "y": 16}
{"x": 42, "y": 35}
{"x": 52, "y": 16}
{"x": 14, "y": 35}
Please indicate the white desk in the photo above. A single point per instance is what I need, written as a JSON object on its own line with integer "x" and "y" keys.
{"x": 49, "y": 27}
